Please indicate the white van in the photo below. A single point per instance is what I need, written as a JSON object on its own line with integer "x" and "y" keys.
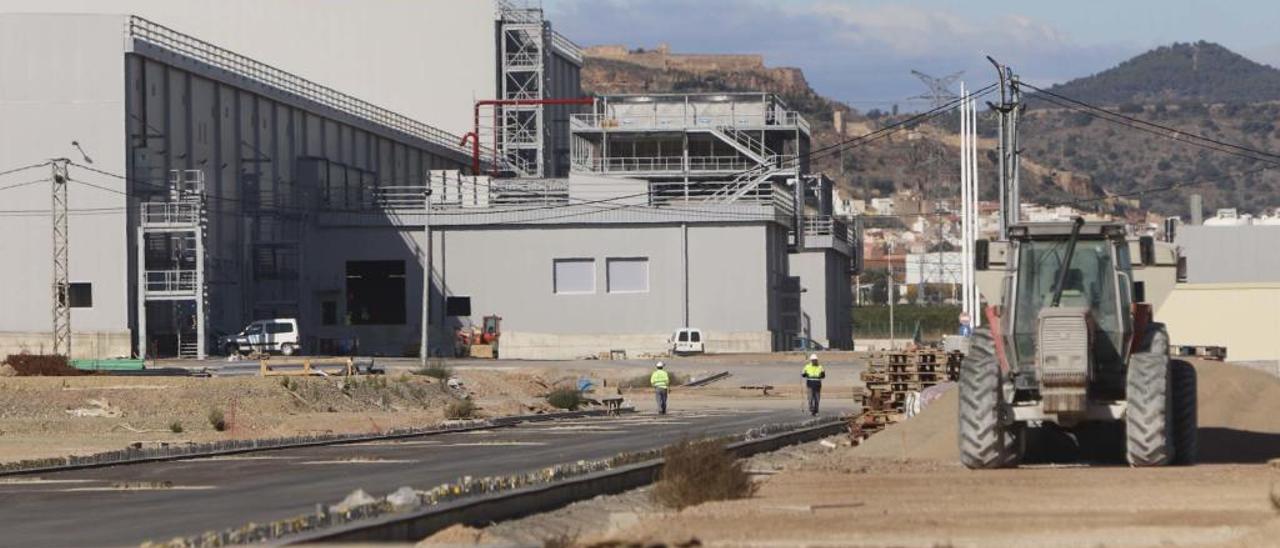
{"x": 687, "y": 340}
{"x": 278, "y": 335}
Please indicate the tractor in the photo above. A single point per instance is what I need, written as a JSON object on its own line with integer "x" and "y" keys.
{"x": 1071, "y": 346}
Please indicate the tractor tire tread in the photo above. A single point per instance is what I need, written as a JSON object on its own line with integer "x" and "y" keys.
{"x": 1148, "y": 427}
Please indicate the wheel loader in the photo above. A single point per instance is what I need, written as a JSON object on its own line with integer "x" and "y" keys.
{"x": 1069, "y": 344}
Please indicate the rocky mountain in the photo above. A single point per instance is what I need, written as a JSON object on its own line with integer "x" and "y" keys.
{"x": 1202, "y": 72}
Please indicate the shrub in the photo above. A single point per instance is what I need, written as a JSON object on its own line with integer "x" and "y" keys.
{"x": 565, "y": 398}
{"x": 461, "y": 409}
{"x": 175, "y": 427}
{"x": 435, "y": 370}
{"x": 217, "y": 420}
{"x": 42, "y": 365}
{"x": 695, "y": 472}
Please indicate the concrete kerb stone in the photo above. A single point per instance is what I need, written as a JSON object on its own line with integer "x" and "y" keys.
{"x": 487, "y": 499}
{"x": 234, "y": 447}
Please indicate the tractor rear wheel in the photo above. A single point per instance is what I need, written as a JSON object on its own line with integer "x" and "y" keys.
{"x": 1148, "y": 424}
{"x": 984, "y": 441}
{"x": 1185, "y": 422}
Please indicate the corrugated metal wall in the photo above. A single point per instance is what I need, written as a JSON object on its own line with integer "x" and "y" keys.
{"x": 266, "y": 163}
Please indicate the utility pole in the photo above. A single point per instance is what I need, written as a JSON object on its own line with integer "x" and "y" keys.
{"x": 1009, "y": 111}
{"x": 893, "y": 339}
{"x": 424, "y": 351}
{"x": 61, "y": 263}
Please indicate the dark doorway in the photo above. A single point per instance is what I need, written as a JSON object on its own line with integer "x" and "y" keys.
{"x": 375, "y": 293}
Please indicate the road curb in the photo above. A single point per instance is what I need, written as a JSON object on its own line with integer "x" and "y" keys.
{"x": 484, "y": 509}
{"x": 236, "y": 447}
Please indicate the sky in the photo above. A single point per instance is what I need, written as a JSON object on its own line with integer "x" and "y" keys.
{"x": 862, "y": 51}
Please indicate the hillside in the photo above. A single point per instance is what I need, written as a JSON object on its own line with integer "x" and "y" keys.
{"x": 1067, "y": 155}
{"x": 1201, "y": 72}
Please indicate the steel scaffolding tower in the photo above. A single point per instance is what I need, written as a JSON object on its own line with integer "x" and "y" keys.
{"x": 521, "y": 137}
{"x": 179, "y": 226}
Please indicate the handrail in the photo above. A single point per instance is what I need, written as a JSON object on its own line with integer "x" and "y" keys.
{"x": 159, "y": 35}
{"x": 171, "y": 281}
{"x": 639, "y": 120}
{"x": 169, "y": 213}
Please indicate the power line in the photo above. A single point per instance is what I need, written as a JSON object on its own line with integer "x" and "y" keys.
{"x": 1156, "y": 128}
{"x": 24, "y": 168}
{"x": 18, "y": 185}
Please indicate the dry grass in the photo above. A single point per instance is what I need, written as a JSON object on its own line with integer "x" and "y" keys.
{"x": 566, "y": 398}
{"x": 461, "y": 409}
{"x": 695, "y": 472}
{"x": 217, "y": 420}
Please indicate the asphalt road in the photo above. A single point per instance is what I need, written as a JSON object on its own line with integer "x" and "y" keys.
{"x": 126, "y": 505}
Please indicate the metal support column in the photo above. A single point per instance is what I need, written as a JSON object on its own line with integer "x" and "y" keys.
{"x": 61, "y": 262}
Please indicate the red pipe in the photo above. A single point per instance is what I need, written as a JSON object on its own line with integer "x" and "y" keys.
{"x": 475, "y": 133}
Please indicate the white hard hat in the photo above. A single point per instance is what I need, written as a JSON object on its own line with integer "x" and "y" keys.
{"x": 813, "y": 357}
{"x": 661, "y": 365}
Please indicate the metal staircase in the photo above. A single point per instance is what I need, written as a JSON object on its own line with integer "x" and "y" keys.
{"x": 179, "y": 224}
{"x": 744, "y": 142}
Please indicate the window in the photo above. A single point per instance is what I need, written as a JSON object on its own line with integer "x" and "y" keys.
{"x": 279, "y": 327}
{"x": 375, "y": 293}
{"x": 80, "y": 294}
{"x": 695, "y": 336}
{"x": 683, "y": 336}
{"x": 329, "y": 313}
{"x": 574, "y": 276}
{"x": 457, "y": 306}
{"x": 629, "y": 275}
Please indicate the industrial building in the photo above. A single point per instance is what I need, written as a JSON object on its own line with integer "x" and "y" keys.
{"x": 232, "y": 165}
{"x": 1231, "y": 294}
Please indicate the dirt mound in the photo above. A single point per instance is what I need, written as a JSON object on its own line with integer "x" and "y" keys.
{"x": 1238, "y": 410}
{"x": 931, "y": 435}
{"x": 454, "y": 535}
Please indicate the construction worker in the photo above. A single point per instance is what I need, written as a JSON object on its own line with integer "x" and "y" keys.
{"x": 660, "y": 381}
{"x": 813, "y": 375}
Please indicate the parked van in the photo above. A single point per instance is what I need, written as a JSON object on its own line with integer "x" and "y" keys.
{"x": 687, "y": 340}
{"x": 278, "y": 335}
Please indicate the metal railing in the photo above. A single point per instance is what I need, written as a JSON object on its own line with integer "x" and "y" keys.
{"x": 164, "y": 37}
{"x": 709, "y": 195}
{"x": 170, "y": 213}
{"x": 826, "y": 225}
{"x": 672, "y": 164}
{"x": 171, "y": 281}
{"x": 566, "y": 47}
{"x": 635, "y": 121}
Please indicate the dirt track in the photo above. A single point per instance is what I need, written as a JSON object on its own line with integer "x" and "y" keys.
{"x": 904, "y": 488}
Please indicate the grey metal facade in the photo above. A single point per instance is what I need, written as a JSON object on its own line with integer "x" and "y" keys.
{"x": 274, "y": 151}
{"x": 1230, "y": 254}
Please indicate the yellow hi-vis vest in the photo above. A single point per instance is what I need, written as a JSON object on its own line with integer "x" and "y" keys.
{"x": 812, "y": 372}
{"x": 659, "y": 379}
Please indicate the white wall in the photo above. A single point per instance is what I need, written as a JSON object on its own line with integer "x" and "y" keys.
{"x": 1245, "y": 318}
{"x": 426, "y": 59}
{"x": 509, "y": 273}
{"x": 62, "y": 79}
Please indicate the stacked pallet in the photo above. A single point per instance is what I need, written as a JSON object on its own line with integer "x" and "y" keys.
{"x": 891, "y": 377}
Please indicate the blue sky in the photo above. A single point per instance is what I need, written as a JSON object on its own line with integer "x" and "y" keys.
{"x": 862, "y": 51}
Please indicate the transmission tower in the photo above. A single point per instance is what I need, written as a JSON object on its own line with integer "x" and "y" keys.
{"x": 61, "y": 271}
{"x": 939, "y": 93}
{"x": 939, "y": 88}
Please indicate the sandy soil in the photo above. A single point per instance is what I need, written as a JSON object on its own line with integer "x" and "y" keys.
{"x": 55, "y": 416}
{"x": 904, "y": 488}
